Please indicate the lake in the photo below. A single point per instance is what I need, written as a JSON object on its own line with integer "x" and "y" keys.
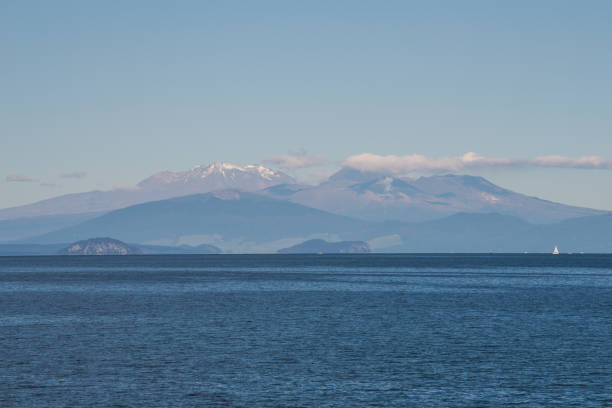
{"x": 306, "y": 331}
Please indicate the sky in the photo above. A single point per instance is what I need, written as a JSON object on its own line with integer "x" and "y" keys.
{"x": 98, "y": 95}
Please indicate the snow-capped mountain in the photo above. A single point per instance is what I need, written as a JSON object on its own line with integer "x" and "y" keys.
{"x": 215, "y": 176}
{"x": 163, "y": 185}
{"x": 379, "y": 197}
{"x": 369, "y": 196}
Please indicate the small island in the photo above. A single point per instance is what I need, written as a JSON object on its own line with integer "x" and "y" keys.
{"x": 100, "y": 246}
{"x": 319, "y": 246}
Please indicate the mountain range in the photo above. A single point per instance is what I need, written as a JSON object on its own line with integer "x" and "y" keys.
{"x": 370, "y": 196}
{"x": 384, "y": 197}
{"x": 240, "y": 222}
{"x": 199, "y": 179}
{"x": 231, "y": 219}
{"x": 256, "y": 209}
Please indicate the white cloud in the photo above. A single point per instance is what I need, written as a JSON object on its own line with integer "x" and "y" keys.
{"x": 416, "y": 162}
{"x": 393, "y": 164}
{"x": 18, "y": 178}
{"x": 296, "y": 160}
{"x": 589, "y": 162}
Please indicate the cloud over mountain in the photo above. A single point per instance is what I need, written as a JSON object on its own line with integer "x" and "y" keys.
{"x": 393, "y": 164}
{"x": 589, "y": 162}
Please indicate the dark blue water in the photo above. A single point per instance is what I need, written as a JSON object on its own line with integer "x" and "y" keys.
{"x": 311, "y": 331}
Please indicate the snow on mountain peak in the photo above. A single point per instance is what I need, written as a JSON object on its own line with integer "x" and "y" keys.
{"x": 262, "y": 171}
{"x": 219, "y": 175}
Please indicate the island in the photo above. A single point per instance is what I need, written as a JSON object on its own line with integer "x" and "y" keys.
{"x": 100, "y": 246}
{"x": 320, "y": 246}
{"x": 111, "y": 246}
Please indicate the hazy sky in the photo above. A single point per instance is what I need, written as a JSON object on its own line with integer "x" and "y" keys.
{"x": 98, "y": 94}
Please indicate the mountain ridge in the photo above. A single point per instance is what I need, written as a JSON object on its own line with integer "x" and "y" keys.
{"x": 428, "y": 197}
{"x": 243, "y": 222}
{"x": 348, "y": 192}
{"x": 162, "y": 185}
{"x": 203, "y": 218}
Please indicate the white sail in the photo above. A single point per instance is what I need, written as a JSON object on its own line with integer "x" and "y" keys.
{"x": 556, "y": 251}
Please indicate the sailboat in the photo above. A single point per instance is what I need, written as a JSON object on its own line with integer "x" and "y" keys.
{"x": 556, "y": 251}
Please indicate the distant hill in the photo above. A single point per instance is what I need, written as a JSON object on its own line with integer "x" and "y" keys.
{"x": 379, "y": 197}
{"x": 591, "y": 234}
{"x": 501, "y": 233}
{"x": 21, "y": 228}
{"x": 469, "y": 232}
{"x": 239, "y": 220}
{"x": 246, "y": 222}
{"x": 319, "y": 246}
{"x": 100, "y": 246}
{"x": 163, "y": 185}
{"x": 465, "y": 232}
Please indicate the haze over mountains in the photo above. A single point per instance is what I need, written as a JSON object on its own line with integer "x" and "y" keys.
{"x": 257, "y": 209}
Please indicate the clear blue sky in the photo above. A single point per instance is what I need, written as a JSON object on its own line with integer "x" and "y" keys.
{"x": 120, "y": 90}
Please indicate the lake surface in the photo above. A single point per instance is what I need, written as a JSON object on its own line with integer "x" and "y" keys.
{"x": 308, "y": 331}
